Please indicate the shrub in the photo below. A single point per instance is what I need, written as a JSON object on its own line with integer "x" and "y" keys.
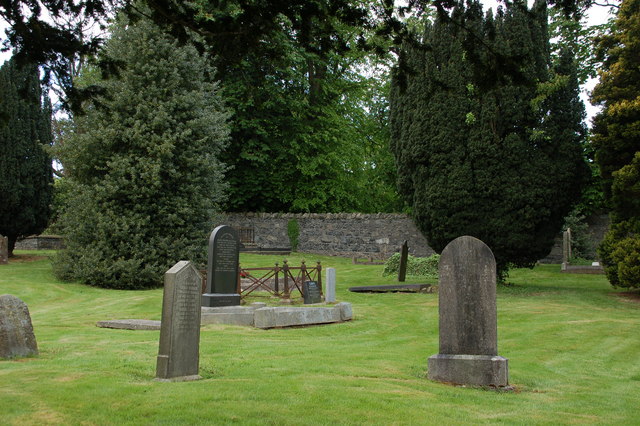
{"x": 418, "y": 266}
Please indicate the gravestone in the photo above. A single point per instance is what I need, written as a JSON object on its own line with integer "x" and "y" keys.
{"x": 468, "y": 317}
{"x": 179, "y": 348}
{"x": 404, "y": 257}
{"x": 4, "y": 250}
{"x": 330, "y": 285}
{"x": 312, "y": 292}
{"x": 566, "y": 248}
{"x": 16, "y": 331}
{"x": 222, "y": 268}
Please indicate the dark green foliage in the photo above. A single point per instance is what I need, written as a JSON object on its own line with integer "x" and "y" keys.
{"x": 582, "y": 246}
{"x": 485, "y": 147}
{"x": 309, "y": 133}
{"x": 617, "y": 142}
{"x": 293, "y": 232}
{"x": 418, "y": 266}
{"x": 26, "y": 177}
{"x": 143, "y": 164}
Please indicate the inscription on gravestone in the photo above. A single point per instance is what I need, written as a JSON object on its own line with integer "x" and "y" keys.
{"x": 312, "y": 292}
{"x": 16, "y": 331}
{"x": 179, "y": 348}
{"x": 468, "y": 317}
{"x": 222, "y": 268}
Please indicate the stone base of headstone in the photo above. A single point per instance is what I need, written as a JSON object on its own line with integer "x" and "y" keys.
{"x": 478, "y": 370}
{"x": 212, "y": 300}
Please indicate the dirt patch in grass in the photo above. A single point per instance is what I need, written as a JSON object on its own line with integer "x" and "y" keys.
{"x": 633, "y": 296}
{"x": 24, "y": 258}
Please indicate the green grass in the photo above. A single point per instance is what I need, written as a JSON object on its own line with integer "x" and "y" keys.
{"x": 571, "y": 340}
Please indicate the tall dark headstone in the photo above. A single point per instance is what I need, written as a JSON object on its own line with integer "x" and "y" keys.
{"x": 222, "y": 268}
{"x": 4, "y": 250}
{"x": 179, "y": 348}
{"x": 16, "y": 331}
{"x": 404, "y": 257}
{"x": 468, "y": 317}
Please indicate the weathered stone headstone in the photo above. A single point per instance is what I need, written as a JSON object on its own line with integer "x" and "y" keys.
{"x": 566, "y": 248}
{"x": 312, "y": 293}
{"x": 404, "y": 257}
{"x": 4, "y": 250}
{"x": 468, "y": 317}
{"x": 330, "y": 285}
{"x": 16, "y": 331}
{"x": 179, "y": 349}
{"x": 222, "y": 268}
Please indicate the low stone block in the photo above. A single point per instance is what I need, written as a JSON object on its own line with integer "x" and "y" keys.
{"x": 16, "y": 331}
{"x": 264, "y": 318}
{"x": 479, "y": 370}
{"x": 346, "y": 311}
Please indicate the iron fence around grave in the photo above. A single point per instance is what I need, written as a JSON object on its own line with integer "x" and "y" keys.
{"x": 279, "y": 281}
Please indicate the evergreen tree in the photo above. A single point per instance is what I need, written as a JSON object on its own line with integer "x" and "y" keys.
{"x": 485, "y": 147}
{"x": 26, "y": 178}
{"x": 617, "y": 142}
{"x": 143, "y": 165}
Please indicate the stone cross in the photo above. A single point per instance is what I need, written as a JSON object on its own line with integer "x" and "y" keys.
{"x": 16, "y": 331}
{"x": 222, "y": 268}
{"x": 4, "y": 250}
{"x": 468, "y": 317}
{"x": 179, "y": 348}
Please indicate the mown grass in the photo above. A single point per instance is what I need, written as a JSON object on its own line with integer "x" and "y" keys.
{"x": 572, "y": 343}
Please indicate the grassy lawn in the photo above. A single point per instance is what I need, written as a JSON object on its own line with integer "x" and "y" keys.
{"x": 571, "y": 340}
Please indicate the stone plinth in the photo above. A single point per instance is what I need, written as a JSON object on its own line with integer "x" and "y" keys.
{"x": 287, "y": 317}
{"x": 478, "y": 370}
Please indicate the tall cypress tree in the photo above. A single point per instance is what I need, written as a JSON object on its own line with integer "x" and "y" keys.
{"x": 476, "y": 132}
{"x": 143, "y": 165}
{"x": 26, "y": 174}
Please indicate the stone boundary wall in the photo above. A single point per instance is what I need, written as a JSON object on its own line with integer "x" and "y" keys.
{"x": 337, "y": 234}
{"x": 360, "y": 235}
{"x": 40, "y": 242}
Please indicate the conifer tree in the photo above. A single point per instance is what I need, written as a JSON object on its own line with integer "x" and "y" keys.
{"x": 482, "y": 146}
{"x": 143, "y": 164}
{"x": 26, "y": 176}
{"x": 617, "y": 142}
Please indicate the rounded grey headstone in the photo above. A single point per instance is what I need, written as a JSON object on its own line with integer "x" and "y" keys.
{"x": 16, "y": 331}
{"x": 467, "y": 295}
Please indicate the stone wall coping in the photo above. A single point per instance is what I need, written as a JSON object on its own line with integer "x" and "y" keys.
{"x": 346, "y": 216}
